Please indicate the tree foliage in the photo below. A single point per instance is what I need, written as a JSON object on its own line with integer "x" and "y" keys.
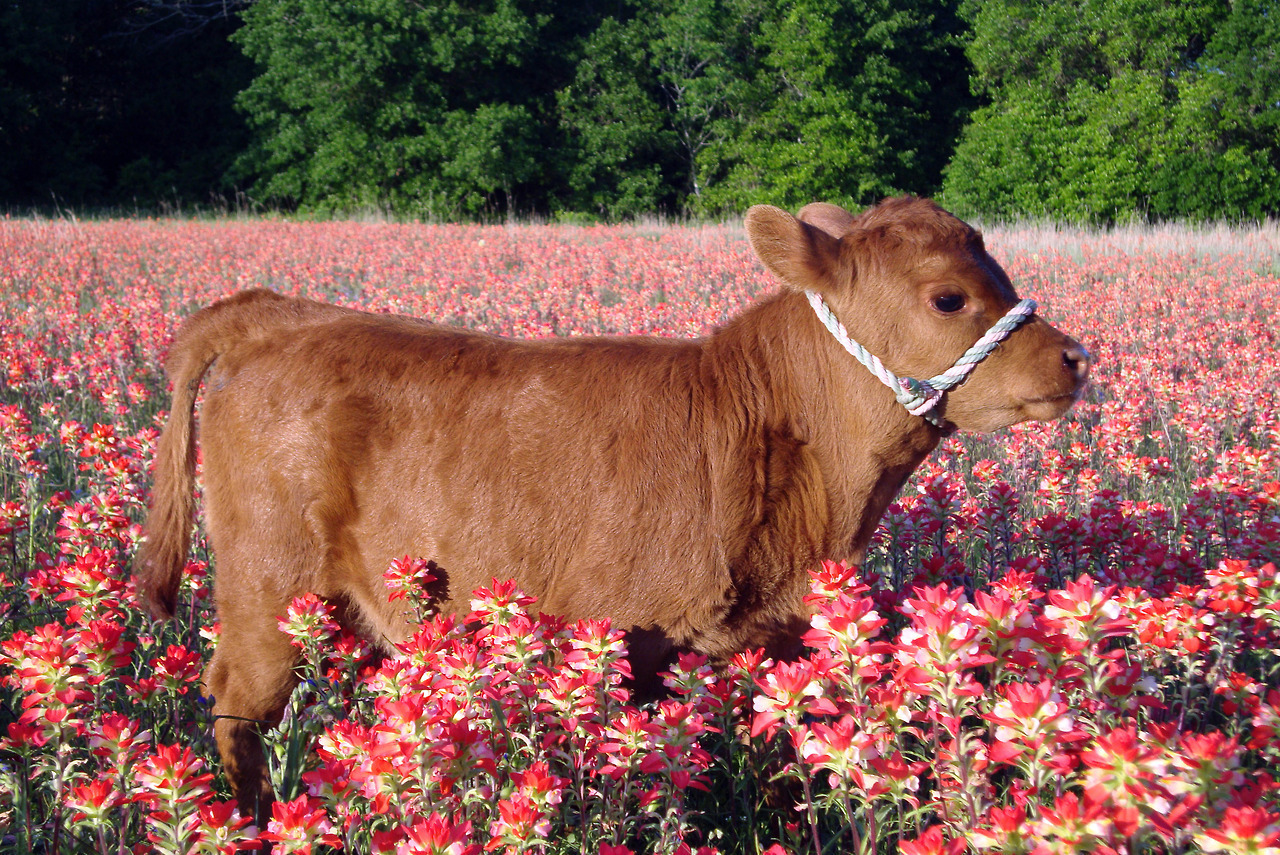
{"x": 677, "y": 105}
{"x": 852, "y": 100}
{"x": 420, "y": 108}
{"x": 621, "y": 159}
{"x": 659, "y": 86}
{"x": 1109, "y": 109}
{"x": 115, "y": 102}
{"x": 1085, "y": 109}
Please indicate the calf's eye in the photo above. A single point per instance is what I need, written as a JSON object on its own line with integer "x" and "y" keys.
{"x": 949, "y": 303}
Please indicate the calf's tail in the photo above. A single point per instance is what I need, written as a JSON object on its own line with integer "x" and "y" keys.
{"x": 162, "y": 555}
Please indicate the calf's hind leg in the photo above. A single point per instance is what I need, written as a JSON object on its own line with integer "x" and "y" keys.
{"x": 249, "y": 679}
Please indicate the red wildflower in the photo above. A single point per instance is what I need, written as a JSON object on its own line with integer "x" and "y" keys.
{"x": 177, "y": 670}
{"x": 436, "y": 835}
{"x": 308, "y": 620}
{"x": 1085, "y": 612}
{"x": 1124, "y": 770}
{"x": 170, "y": 775}
{"x": 1243, "y": 831}
{"x": 94, "y": 801}
{"x": 1073, "y": 825}
{"x": 626, "y": 741}
{"x": 498, "y": 604}
{"x": 788, "y": 691}
{"x": 520, "y": 824}
{"x": 410, "y": 579}
{"x": 1003, "y": 830}
{"x": 299, "y": 825}
{"x": 1032, "y": 721}
{"x": 932, "y": 842}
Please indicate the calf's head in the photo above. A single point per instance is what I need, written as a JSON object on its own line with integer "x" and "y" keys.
{"x": 915, "y": 286}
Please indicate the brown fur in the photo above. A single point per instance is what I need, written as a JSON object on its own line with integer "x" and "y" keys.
{"x": 681, "y": 488}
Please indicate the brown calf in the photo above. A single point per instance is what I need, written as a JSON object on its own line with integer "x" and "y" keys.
{"x": 681, "y": 488}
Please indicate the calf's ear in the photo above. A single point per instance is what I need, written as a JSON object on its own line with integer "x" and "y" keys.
{"x": 832, "y": 219}
{"x": 804, "y": 256}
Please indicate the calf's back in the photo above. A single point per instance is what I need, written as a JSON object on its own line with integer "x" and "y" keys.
{"x": 626, "y": 478}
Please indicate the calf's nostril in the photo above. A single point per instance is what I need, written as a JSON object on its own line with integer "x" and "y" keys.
{"x": 1076, "y": 360}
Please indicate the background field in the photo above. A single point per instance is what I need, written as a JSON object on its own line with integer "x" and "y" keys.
{"x": 1065, "y": 638}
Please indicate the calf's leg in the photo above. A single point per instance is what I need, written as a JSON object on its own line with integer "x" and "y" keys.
{"x": 249, "y": 678}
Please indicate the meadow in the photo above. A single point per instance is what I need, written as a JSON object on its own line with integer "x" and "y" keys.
{"x": 1066, "y": 638}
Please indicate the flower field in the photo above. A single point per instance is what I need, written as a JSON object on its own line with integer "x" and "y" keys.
{"x": 1066, "y": 637}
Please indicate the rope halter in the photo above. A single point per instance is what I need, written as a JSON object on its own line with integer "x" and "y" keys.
{"x": 920, "y": 397}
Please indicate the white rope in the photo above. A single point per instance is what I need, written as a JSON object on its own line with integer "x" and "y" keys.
{"x": 920, "y": 397}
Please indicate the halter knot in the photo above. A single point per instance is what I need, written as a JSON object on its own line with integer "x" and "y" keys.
{"x": 918, "y": 396}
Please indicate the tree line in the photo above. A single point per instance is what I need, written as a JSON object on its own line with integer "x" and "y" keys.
{"x": 1091, "y": 110}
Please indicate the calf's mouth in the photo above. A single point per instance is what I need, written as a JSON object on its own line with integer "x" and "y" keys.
{"x": 1049, "y": 407}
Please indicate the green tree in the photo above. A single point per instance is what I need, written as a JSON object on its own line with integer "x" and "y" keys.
{"x": 431, "y": 108}
{"x": 1005, "y": 154}
{"x": 109, "y": 102}
{"x": 851, "y": 100}
{"x": 1110, "y": 109}
{"x": 493, "y": 150}
{"x": 623, "y": 152}
{"x": 1229, "y": 118}
{"x": 702, "y": 54}
{"x": 657, "y": 87}
{"x": 713, "y": 105}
